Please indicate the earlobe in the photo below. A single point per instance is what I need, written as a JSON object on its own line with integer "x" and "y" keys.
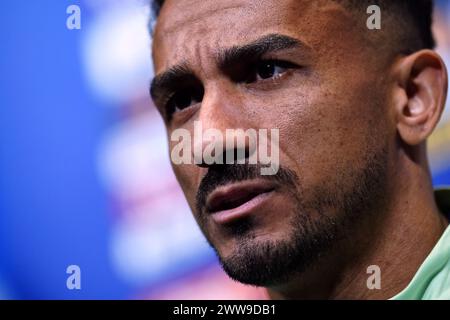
{"x": 420, "y": 96}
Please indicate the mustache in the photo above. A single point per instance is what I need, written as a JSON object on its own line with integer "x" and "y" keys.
{"x": 221, "y": 175}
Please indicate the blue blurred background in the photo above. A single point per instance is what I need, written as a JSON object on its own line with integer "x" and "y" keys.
{"x": 84, "y": 172}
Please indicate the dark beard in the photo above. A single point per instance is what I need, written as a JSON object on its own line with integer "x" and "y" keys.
{"x": 330, "y": 215}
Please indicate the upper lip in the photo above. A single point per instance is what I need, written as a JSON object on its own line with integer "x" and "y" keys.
{"x": 235, "y": 194}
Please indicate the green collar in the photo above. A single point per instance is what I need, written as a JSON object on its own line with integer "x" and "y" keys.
{"x": 432, "y": 280}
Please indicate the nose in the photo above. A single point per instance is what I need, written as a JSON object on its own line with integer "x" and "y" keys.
{"x": 215, "y": 149}
{"x": 221, "y": 134}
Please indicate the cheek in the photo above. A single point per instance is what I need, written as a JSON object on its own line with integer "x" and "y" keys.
{"x": 186, "y": 176}
{"x": 321, "y": 132}
{"x": 185, "y": 173}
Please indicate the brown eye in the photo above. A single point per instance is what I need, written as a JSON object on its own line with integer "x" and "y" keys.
{"x": 184, "y": 99}
{"x": 267, "y": 69}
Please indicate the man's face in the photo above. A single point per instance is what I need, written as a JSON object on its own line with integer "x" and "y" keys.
{"x": 305, "y": 68}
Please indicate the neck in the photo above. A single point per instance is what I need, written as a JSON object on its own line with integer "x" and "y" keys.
{"x": 397, "y": 240}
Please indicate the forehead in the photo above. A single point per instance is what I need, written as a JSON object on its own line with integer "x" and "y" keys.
{"x": 188, "y": 29}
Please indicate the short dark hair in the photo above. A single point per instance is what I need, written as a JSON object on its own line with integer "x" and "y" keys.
{"x": 156, "y": 6}
{"x": 416, "y": 17}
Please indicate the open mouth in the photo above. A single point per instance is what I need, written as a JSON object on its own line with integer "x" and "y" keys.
{"x": 236, "y": 200}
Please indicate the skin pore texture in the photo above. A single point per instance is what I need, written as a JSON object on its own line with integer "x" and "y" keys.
{"x": 354, "y": 187}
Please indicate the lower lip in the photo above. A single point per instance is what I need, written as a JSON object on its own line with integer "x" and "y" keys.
{"x": 230, "y": 215}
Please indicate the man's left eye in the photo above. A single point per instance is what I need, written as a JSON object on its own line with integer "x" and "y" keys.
{"x": 267, "y": 69}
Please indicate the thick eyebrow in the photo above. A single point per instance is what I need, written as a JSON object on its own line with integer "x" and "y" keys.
{"x": 225, "y": 57}
{"x": 166, "y": 80}
{"x": 266, "y": 44}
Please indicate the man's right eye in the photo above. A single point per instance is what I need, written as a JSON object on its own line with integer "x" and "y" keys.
{"x": 183, "y": 99}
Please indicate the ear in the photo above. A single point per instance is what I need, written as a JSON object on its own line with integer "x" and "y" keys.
{"x": 420, "y": 95}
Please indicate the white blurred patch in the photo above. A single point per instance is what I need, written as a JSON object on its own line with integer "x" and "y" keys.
{"x": 154, "y": 234}
{"x": 134, "y": 160}
{"x": 150, "y": 247}
{"x": 116, "y": 51}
